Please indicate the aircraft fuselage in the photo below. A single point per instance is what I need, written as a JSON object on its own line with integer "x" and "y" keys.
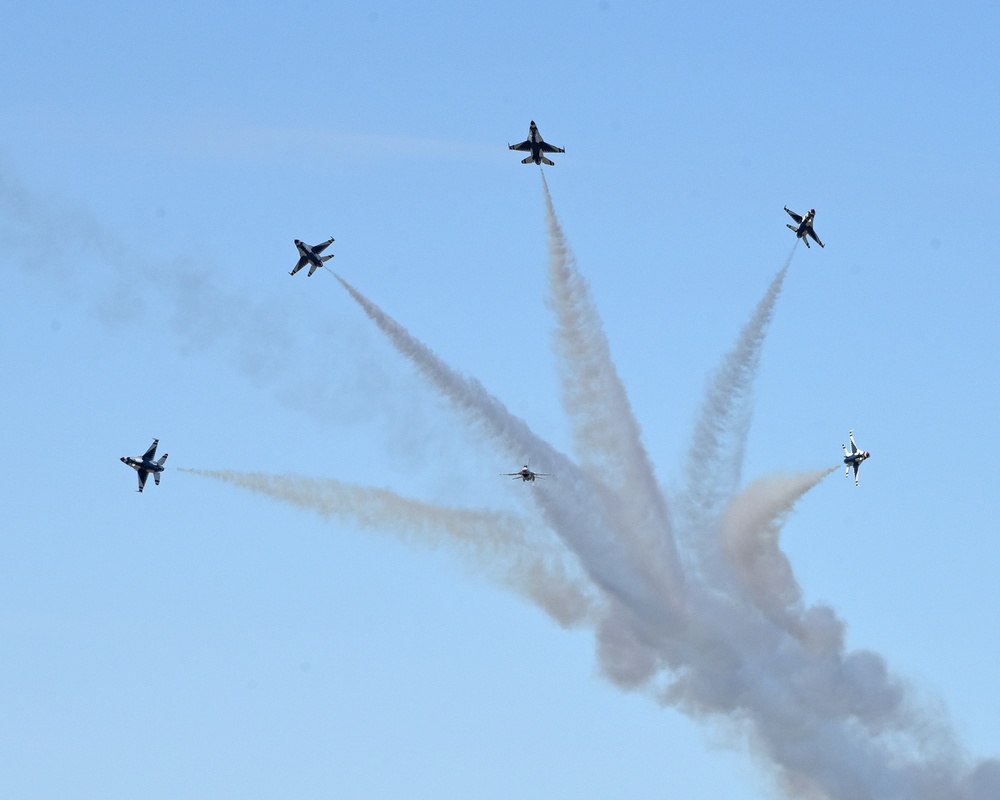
{"x": 805, "y": 226}
{"x": 142, "y": 464}
{"x": 307, "y": 253}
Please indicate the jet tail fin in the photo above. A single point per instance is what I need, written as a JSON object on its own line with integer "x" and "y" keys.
{"x": 156, "y": 478}
{"x": 324, "y": 259}
{"x": 160, "y": 462}
{"x": 548, "y": 161}
{"x": 527, "y": 160}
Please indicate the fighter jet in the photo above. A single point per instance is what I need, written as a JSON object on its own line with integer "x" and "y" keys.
{"x": 536, "y": 145}
{"x": 311, "y": 255}
{"x": 804, "y": 227}
{"x": 526, "y": 474}
{"x": 854, "y": 458}
{"x": 144, "y": 464}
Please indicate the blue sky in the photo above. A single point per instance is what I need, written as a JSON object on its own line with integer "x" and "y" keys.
{"x": 156, "y": 162}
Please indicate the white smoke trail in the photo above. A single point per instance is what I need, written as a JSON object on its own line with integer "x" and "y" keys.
{"x": 535, "y": 568}
{"x": 716, "y": 455}
{"x": 606, "y": 433}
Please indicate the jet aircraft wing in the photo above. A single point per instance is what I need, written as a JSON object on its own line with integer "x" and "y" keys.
{"x": 143, "y": 474}
{"x": 322, "y": 246}
{"x": 150, "y": 454}
{"x": 545, "y": 147}
{"x": 815, "y": 238}
{"x": 299, "y": 265}
{"x": 524, "y": 146}
{"x": 793, "y": 215}
{"x": 856, "y": 465}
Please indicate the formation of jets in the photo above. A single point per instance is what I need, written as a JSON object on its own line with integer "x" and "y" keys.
{"x": 535, "y": 146}
{"x": 526, "y": 474}
{"x": 145, "y": 464}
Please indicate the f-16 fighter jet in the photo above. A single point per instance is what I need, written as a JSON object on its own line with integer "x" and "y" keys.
{"x": 804, "y": 226}
{"x": 144, "y": 464}
{"x": 311, "y": 255}
{"x": 854, "y": 458}
{"x": 526, "y": 474}
{"x": 536, "y": 145}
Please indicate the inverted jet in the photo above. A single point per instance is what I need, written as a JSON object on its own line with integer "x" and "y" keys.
{"x": 854, "y": 458}
{"x": 526, "y": 474}
{"x": 310, "y": 254}
{"x": 536, "y": 145}
{"x": 803, "y": 226}
{"x": 145, "y": 464}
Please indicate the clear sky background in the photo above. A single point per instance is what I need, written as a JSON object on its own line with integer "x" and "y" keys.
{"x": 156, "y": 162}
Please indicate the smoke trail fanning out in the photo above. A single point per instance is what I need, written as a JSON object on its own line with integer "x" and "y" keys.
{"x": 722, "y": 632}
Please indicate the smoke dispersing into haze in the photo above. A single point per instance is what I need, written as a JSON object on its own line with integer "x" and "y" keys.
{"x": 259, "y": 336}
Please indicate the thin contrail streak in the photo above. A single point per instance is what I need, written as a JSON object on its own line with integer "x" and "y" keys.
{"x": 594, "y": 397}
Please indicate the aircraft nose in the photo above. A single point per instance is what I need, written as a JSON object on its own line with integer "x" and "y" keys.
{"x": 122, "y": 459}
